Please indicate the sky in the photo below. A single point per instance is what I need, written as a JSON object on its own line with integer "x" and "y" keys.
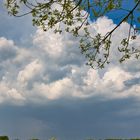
{"x": 47, "y": 90}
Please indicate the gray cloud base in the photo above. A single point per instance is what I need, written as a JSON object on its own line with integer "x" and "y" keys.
{"x": 77, "y": 121}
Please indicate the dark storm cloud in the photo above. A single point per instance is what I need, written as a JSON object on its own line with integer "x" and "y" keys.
{"x": 72, "y": 121}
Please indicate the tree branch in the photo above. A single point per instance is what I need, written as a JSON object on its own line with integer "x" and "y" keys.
{"x": 131, "y": 12}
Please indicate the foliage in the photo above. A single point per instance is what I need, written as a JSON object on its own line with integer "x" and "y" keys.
{"x": 4, "y": 138}
{"x": 34, "y": 139}
{"x": 70, "y": 16}
{"x": 53, "y": 138}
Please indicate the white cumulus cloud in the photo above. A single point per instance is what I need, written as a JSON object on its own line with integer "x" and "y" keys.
{"x": 53, "y": 68}
{"x": 29, "y": 71}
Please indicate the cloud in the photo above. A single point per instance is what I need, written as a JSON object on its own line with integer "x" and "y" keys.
{"x": 29, "y": 71}
{"x": 51, "y": 43}
{"x": 8, "y": 94}
{"x": 80, "y": 119}
{"x": 115, "y": 77}
{"x": 55, "y": 89}
{"x": 103, "y": 25}
{"x": 53, "y": 69}
{"x": 5, "y": 43}
{"x": 7, "y": 49}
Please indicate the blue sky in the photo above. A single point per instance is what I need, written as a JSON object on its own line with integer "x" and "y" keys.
{"x": 47, "y": 90}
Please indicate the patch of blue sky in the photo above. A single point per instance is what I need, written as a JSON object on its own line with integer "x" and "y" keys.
{"x": 117, "y": 15}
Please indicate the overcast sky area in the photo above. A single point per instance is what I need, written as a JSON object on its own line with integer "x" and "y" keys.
{"x": 47, "y": 90}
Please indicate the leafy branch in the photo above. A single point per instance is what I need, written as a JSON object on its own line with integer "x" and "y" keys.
{"x": 67, "y": 15}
